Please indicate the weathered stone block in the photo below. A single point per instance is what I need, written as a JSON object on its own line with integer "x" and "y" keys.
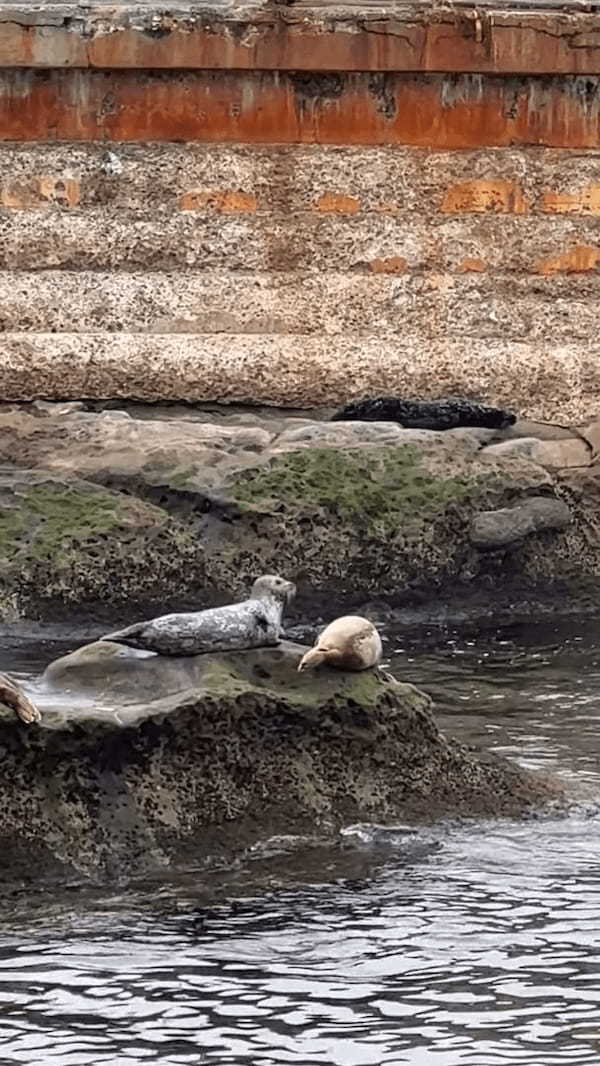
{"x": 481, "y": 194}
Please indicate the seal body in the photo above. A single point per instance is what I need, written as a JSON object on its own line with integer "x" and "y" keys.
{"x": 348, "y": 643}
{"x": 450, "y": 413}
{"x": 254, "y": 623}
{"x": 12, "y": 696}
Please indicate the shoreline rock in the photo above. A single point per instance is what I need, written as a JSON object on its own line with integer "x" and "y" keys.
{"x": 508, "y": 527}
{"x": 123, "y": 517}
{"x": 141, "y": 764}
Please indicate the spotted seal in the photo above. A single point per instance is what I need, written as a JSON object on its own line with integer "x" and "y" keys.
{"x": 254, "y": 623}
{"x": 348, "y": 643}
{"x": 444, "y": 414}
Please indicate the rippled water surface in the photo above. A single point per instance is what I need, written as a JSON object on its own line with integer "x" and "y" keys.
{"x": 471, "y": 945}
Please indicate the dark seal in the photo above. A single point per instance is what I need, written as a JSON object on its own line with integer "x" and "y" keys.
{"x": 424, "y": 414}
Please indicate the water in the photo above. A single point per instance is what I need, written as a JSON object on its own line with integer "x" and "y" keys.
{"x": 476, "y": 944}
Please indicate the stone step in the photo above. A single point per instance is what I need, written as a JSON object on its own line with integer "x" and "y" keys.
{"x": 102, "y": 239}
{"x": 508, "y": 307}
{"x": 559, "y": 383}
{"x": 350, "y": 180}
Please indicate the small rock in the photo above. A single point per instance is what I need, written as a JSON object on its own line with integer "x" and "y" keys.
{"x": 552, "y": 454}
{"x": 559, "y": 454}
{"x": 323, "y": 434}
{"x": 352, "y": 435}
{"x": 510, "y": 525}
{"x": 591, "y": 432}
{"x": 521, "y": 446}
{"x": 47, "y": 408}
{"x": 539, "y": 430}
{"x": 472, "y": 434}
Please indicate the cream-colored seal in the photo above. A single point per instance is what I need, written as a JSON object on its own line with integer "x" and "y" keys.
{"x": 348, "y": 643}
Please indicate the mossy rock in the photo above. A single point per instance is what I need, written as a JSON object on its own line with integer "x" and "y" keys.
{"x": 347, "y": 524}
{"x": 377, "y": 490}
{"x": 140, "y": 763}
{"x": 68, "y": 541}
{"x": 354, "y": 523}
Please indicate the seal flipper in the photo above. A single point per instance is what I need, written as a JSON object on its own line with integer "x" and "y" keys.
{"x": 12, "y": 696}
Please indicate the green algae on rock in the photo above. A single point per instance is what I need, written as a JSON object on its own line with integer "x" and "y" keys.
{"x": 66, "y": 540}
{"x": 379, "y": 490}
{"x": 141, "y": 763}
{"x": 359, "y": 522}
{"x": 130, "y": 518}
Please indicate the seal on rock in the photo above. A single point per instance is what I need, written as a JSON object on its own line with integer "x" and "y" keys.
{"x": 254, "y": 623}
{"x": 450, "y": 413}
{"x": 348, "y": 643}
{"x": 12, "y": 696}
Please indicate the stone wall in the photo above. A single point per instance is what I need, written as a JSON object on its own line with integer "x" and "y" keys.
{"x": 360, "y": 224}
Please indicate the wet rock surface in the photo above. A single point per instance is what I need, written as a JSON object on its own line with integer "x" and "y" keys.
{"x": 129, "y": 513}
{"x": 141, "y": 764}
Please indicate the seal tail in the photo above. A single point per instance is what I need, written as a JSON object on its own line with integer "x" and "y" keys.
{"x": 313, "y": 658}
{"x": 18, "y": 702}
{"x": 131, "y": 637}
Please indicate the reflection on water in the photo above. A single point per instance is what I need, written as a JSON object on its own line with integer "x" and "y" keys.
{"x": 475, "y": 944}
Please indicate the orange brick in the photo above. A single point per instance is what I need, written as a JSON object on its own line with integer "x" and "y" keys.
{"x": 337, "y": 204}
{"x": 587, "y": 201}
{"x": 35, "y": 192}
{"x": 472, "y": 266}
{"x": 226, "y": 201}
{"x": 577, "y": 260}
{"x": 396, "y": 264}
{"x": 481, "y": 195}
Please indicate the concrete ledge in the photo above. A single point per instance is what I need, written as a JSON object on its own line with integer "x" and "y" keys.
{"x": 267, "y": 37}
{"x": 558, "y": 383}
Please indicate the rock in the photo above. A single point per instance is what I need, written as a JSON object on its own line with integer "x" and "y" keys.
{"x": 108, "y": 446}
{"x": 49, "y": 408}
{"x": 141, "y": 763}
{"x": 560, "y": 454}
{"x": 552, "y": 454}
{"x": 520, "y": 446}
{"x": 508, "y": 526}
{"x": 341, "y": 434}
{"x": 193, "y": 510}
{"x": 540, "y": 430}
{"x": 591, "y": 432}
{"x": 67, "y": 540}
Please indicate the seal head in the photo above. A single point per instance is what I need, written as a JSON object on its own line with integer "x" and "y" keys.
{"x": 271, "y": 586}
